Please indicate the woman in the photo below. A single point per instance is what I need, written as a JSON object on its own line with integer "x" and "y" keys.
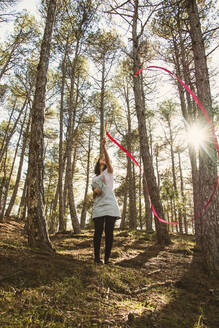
{"x": 105, "y": 207}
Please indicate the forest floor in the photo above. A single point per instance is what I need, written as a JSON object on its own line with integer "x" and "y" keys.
{"x": 146, "y": 286}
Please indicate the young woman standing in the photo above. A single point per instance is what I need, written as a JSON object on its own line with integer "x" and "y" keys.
{"x": 105, "y": 207}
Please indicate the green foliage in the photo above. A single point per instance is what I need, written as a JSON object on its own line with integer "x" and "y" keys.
{"x": 103, "y": 44}
{"x": 167, "y": 188}
{"x": 167, "y": 110}
{"x": 20, "y": 43}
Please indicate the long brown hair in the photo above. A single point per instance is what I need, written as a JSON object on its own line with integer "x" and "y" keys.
{"x": 97, "y": 167}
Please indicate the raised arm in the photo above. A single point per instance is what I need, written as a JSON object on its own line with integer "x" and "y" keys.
{"x": 107, "y": 159}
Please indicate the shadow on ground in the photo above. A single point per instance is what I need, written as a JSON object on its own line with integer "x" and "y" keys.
{"x": 33, "y": 270}
{"x": 194, "y": 302}
{"x": 70, "y": 282}
{"x": 141, "y": 258}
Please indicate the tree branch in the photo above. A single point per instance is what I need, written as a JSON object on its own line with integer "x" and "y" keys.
{"x": 212, "y": 50}
{"x": 212, "y": 30}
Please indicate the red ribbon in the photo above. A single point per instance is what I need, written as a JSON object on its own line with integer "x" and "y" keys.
{"x": 134, "y": 160}
{"x": 212, "y": 129}
{"x": 207, "y": 117}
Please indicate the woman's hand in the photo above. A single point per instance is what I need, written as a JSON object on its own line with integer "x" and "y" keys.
{"x": 97, "y": 191}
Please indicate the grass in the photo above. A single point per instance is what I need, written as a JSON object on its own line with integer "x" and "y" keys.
{"x": 148, "y": 286}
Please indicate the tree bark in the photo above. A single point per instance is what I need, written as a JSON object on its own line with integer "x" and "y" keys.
{"x": 62, "y": 225}
{"x": 15, "y": 190}
{"x": 65, "y": 195}
{"x": 23, "y": 203}
{"x": 176, "y": 196}
{"x": 102, "y": 95}
{"x": 53, "y": 215}
{"x": 207, "y": 160}
{"x": 156, "y": 151}
{"x": 131, "y": 184}
{"x": 69, "y": 172}
{"x": 37, "y": 228}
{"x": 84, "y": 208}
{"x": 161, "y": 229}
{"x": 134, "y": 188}
{"x": 182, "y": 195}
{"x": 124, "y": 210}
{"x": 3, "y": 181}
{"x": 71, "y": 199}
{"x": 139, "y": 197}
{"x": 8, "y": 181}
{"x": 8, "y": 137}
{"x": 148, "y": 212}
{"x": 188, "y": 116}
{"x": 14, "y": 193}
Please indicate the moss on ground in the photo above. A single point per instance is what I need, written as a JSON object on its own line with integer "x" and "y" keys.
{"x": 147, "y": 286}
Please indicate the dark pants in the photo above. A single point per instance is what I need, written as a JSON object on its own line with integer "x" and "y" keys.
{"x": 109, "y": 226}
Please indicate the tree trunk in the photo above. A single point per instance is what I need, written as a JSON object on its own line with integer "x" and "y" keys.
{"x": 131, "y": 191}
{"x": 13, "y": 197}
{"x": 161, "y": 229}
{"x": 7, "y": 130}
{"x": 84, "y": 208}
{"x": 182, "y": 195}
{"x": 148, "y": 212}
{"x": 174, "y": 179}
{"x": 131, "y": 184}
{"x": 69, "y": 172}
{"x": 37, "y": 229}
{"x": 50, "y": 174}
{"x": 65, "y": 196}
{"x": 102, "y": 95}
{"x": 74, "y": 219}
{"x": 172, "y": 211}
{"x": 208, "y": 161}
{"x": 11, "y": 172}
{"x": 157, "y": 167}
{"x": 139, "y": 197}
{"x": 53, "y": 215}
{"x": 23, "y": 203}
{"x": 8, "y": 137}
{"x": 124, "y": 210}
{"x": 134, "y": 188}
{"x": 15, "y": 190}
{"x": 188, "y": 116}
{"x": 62, "y": 225}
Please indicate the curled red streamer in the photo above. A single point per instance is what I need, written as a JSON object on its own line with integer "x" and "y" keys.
{"x": 134, "y": 160}
{"x": 205, "y": 114}
{"x": 212, "y": 129}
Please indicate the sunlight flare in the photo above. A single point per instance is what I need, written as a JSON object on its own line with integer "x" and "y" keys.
{"x": 196, "y": 136}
